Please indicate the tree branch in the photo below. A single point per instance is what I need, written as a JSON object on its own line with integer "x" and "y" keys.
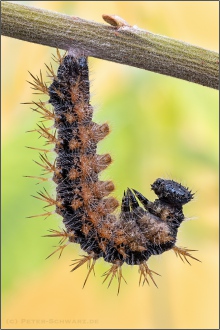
{"x": 118, "y": 42}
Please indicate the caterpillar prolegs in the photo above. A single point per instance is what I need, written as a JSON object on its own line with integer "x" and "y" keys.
{"x": 140, "y": 228}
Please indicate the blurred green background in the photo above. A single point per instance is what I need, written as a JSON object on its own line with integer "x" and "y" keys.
{"x": 161, "y": 127}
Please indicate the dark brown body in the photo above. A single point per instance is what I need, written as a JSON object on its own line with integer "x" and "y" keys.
{"x": 137, "y": 233}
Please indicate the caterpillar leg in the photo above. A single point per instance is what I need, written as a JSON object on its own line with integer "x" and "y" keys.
{"x": 144, "y": 201}
{"x": 183, "y": 253}
{"x": 145, "y": 271}
{"x": 115, "y": 271}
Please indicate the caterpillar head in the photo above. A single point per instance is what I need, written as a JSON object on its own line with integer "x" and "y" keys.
{"x": 172, "y": 192}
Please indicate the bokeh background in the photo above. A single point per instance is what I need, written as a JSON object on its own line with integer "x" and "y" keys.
{"x": 161, "y": 127}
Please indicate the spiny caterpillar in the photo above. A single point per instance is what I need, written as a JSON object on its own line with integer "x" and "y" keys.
{"x": 142, "y": 228}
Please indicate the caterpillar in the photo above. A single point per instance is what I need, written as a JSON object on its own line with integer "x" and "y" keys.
{"x": 90, "y": 216}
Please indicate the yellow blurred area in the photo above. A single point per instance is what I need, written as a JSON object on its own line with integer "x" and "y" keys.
{"x": 161, "y": 127}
